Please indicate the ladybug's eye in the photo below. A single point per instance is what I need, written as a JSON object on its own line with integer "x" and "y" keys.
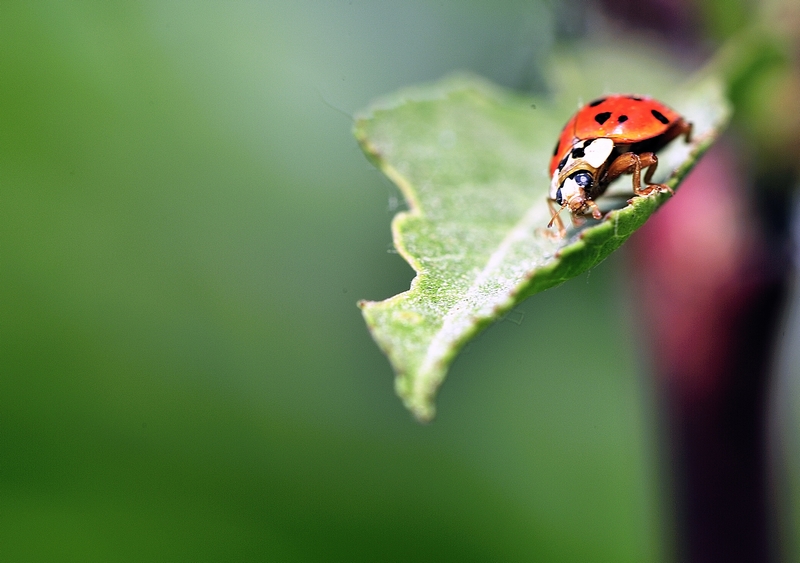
{"x": 559, "y": 198}
{"x": 583, "y": 179}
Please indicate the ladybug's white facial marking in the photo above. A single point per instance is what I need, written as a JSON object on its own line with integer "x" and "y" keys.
{"x": 570, "y": 190}
{"x": 589, "y": 153}
{"x": 554, "y": 185}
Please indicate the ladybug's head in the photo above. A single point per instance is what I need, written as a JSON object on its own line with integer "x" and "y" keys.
{"x": 574, "y": 190}
{"x": 576, "y": 176}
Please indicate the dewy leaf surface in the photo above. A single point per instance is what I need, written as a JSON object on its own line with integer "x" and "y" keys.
{"x": 471, "y": 161}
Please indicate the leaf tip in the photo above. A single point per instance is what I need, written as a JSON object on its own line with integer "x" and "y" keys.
{"x": 423, "y": 408}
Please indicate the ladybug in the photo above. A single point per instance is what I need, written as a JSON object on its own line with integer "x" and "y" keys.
{"x": 614, "y": 135}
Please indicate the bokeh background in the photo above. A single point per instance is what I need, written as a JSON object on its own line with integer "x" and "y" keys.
{"x": 186, "y": 224}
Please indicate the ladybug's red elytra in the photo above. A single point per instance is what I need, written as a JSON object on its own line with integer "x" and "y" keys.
{"x": 614, "y": 135}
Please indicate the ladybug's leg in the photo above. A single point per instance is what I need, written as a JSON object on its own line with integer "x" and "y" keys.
{"x": 651, "y": 168}
{"x": 632, "y": 163}
{"x": 684, "y": 128}
{"x": 650, "y": 161}
{"x": 626, "y": 163}
{"x": 596, "y": 213}
{"x": 577, "y": 221}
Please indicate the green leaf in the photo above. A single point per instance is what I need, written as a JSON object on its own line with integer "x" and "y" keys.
{"x": 471, "y": 160}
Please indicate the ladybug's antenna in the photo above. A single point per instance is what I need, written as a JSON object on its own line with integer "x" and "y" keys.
{"x": 555, "y": 215}
{"x": 557, "y": 220}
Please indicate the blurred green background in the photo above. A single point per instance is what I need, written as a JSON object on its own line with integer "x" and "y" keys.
{"x": 186, "y": 224}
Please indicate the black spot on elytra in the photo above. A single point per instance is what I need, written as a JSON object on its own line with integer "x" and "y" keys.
{"x": 555, "y": 150}
{"x": 577, "y": 152}
{"x": 597, "y": 102}
{"x": 622, "y": 118}
{"x": 602, "y": 117}
{"x": 635, "y": 98}
{"x": 660, "y": 116}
